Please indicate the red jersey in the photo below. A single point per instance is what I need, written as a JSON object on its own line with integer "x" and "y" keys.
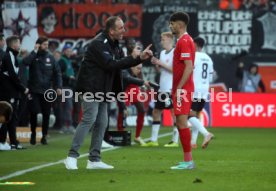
{"x": 184, "y": 50}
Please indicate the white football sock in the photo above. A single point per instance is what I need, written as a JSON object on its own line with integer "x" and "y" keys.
{"x": 198, "y": 125}
{"x": 175, "y": 136}
{"x": 194, "y": 135}
{"x": 154, "y": 132}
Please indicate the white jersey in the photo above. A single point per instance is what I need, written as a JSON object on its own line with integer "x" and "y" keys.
{"x": 203, "y": 70}
{"x": 166, "y": 76}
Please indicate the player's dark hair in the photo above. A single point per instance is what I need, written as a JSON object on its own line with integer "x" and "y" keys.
{"x": 41, "y": 39}
{"x": 180, "y": 16}
{"x": 5, "y": 110}
{"x": 12, "y": 39}
{"x": 199, "y": 41}
{"x": 110, "y": 23}
{"x": 254, "y": 66}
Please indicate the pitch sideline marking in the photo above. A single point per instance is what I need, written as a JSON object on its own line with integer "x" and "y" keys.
{"x": 21, "y": 172}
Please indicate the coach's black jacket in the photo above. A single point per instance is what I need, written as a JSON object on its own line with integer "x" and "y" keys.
{"x": 10, "y": 84}
{"x": 100, "y": 70}
{"x": 129, "y": 79}
{"x": 44, "y": 72}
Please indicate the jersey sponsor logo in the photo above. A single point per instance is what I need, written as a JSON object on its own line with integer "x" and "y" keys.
{"x": 185, "y": 55}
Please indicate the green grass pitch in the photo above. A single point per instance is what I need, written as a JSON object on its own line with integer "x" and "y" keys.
{"x": 237, "y": 159}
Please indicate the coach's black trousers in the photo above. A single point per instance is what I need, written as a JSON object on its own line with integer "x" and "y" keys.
{"x": 38, "y": 104}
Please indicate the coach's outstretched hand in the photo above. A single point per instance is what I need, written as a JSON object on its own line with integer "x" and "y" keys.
{"x": 147, "y": 53}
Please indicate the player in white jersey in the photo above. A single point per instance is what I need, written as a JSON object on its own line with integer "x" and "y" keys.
{"x": 203, "y": 74}
{"x": 164, "y": 100}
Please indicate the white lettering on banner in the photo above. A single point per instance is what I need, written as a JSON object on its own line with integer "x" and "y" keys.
{"x": 273, "y": 84}
{"x": 14, "y": 5}
{"x": 168, "y": 8}
{"x": 248, "y": 110}
{"x": 225, "y": 32}
{"x": 226, "y": 39}
{"x": 225, "y": 27}
{"x": 270, "y": 110}
{"x": 269, "y": 28}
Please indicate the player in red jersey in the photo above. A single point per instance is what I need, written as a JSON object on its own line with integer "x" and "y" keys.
{"x": 183, "y": 85}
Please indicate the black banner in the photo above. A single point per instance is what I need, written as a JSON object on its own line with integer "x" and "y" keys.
{"x": 231, "y": 36}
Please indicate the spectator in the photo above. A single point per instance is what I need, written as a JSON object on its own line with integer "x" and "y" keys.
{"x": 68, "y": 79}
{"x": 53, "y": 47}
{"x": 57, "y": 55}
{"x": 272, "y": 5}
{"x": 2, "y": 45}
{"x": 229, "y": 4}
{"x": 250, "y": 80}
{"x": 255, "y": 5}
{"x": 57, "y": 102}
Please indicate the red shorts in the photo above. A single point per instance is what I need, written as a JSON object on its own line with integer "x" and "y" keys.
{"x": 133, "y": 94}
{"x": 183, "y": 105}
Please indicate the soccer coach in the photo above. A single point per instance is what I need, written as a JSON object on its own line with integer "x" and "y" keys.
{"x": 100, "y": 71}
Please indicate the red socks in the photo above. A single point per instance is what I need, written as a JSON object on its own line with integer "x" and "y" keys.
{"x": 185, "y": 139}
{"x": 140, "y": 123}
{"x": 120, "y": 122}
{"x": 139, "y": 126}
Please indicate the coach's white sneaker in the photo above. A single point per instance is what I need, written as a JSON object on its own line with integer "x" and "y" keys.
{"x": 71, "y": 163}
{"x": 98, "y": 165}
{"x": 5, "y": 147}
{"x": 106, "y": 145}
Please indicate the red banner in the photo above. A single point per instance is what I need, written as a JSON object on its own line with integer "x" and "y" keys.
{"x": 267, "y": 72}
{"x": 245, "y": 110}
{"x": 84, "y": 20}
